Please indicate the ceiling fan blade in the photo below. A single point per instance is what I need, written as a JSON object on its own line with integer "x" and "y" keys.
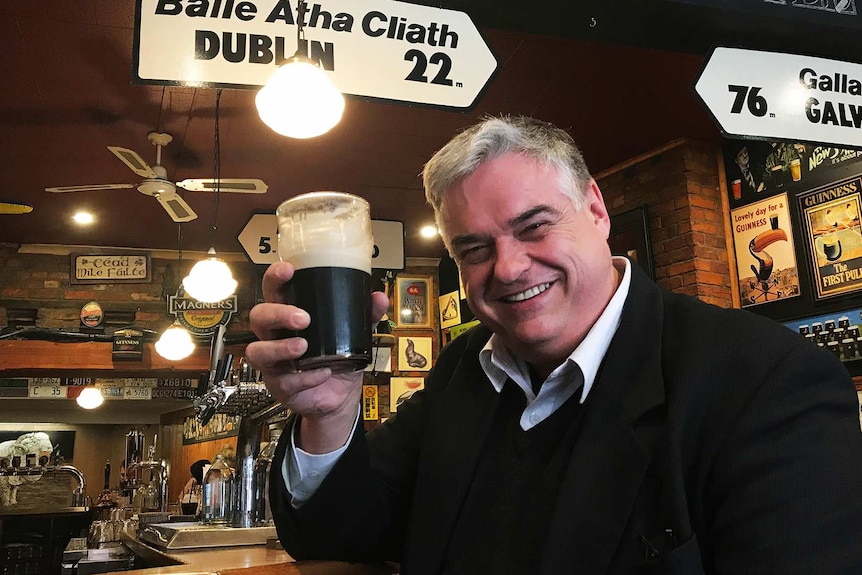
{"x": 89, "y": 188}
{"x": 15, "y": 208}
{"x": 134, "y": 161}
{"x": 233, "y": 186}
{"x": 176, "y": 207}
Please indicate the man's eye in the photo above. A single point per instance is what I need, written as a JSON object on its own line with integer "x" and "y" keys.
{"x": 535, "y": 228}
{"x": 474, "y": 254}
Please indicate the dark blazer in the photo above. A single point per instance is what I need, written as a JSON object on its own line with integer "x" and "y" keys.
{"x": 713, "y": 441}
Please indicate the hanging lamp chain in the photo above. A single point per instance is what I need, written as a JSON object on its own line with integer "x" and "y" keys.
{"x": 216, "y": 167}
{"x": 301, "y": 46}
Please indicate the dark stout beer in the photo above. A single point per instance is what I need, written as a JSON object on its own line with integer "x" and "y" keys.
{"x": 327, "y": 238}
{"x": 339, "y": 303}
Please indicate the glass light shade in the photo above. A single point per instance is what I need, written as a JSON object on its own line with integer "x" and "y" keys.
{"x": 209, "y": 280}
{"x": 90, "y": 398}
{"x": 175, "y": 344}
{"x": 299, "y": 100}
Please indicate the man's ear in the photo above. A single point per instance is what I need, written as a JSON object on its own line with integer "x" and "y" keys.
{"x": 597, "y": 208}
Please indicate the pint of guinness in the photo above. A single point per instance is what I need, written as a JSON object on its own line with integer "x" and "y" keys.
{"x": 327, "y": 238}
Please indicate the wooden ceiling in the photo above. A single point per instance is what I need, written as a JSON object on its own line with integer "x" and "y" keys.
{"x": 67, "y": 94}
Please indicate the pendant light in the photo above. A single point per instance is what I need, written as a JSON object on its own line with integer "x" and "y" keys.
{"x": 175, "y": 343}
{"x": 299, "y": 100}
{"x": 210, "y": 280}
{"x": 90, "y": 398}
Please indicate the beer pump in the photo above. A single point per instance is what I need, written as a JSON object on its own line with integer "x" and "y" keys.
{"x": 238, "y": 392}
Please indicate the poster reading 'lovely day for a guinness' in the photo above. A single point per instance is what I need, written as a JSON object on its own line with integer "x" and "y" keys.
{"x": 833, "y": 232}
{"x": 765, "y": 258}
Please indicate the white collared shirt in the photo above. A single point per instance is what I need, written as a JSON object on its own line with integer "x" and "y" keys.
{"x": 499, "y": 364}
{"x": 304, "y": 472}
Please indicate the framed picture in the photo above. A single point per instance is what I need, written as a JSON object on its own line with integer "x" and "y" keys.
{"x": 765, "y": 256}
{"x": 414, "y": 353}
{"x": 450, "y": 309}
{"x": 630, "y": 237}
{"x": 833, "y": 236}
{"x": 837, "y": 332}
{"x": 413, "y": 301}
{"x": 401, "y": 388}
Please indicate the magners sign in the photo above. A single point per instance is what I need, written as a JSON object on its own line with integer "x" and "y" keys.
{"x": 201, "y": 318}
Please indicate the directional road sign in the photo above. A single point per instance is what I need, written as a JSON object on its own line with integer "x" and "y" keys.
{"x": 259, "y": 241}
{"x": 779, "y": 96}
{"x": 374, "y": 48}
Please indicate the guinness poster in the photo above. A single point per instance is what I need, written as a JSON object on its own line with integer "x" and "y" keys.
{"x": 830, "y": 215}
{"x": 765, "y": 258}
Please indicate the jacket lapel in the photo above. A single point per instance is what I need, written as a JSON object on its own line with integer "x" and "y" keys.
{"x": 614, "y": 448}
{"x": 462, "y": 417}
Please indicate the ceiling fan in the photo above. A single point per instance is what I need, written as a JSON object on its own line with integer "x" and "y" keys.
{"x": 156, "y": 184}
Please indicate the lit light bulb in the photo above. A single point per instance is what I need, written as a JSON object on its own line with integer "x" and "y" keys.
{"x": 210, "y": 280}
{"x": 90, "y": 398}
{"x": 175, "y": 343}
{"x": 299, "y": 100}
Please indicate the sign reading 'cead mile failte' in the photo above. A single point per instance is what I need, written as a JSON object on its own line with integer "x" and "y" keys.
{"x": 783, "y": 96}
{"x": 374, "y": 48}
{"x": 110, "y": 268}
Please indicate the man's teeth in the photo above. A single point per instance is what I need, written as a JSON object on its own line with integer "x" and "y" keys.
{"x": 530, "y": 293}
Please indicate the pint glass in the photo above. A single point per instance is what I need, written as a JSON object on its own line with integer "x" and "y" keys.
{"x": 326, "y": 236}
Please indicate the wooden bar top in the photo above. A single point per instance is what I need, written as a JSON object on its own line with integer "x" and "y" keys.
{"x": 244, "y": 560}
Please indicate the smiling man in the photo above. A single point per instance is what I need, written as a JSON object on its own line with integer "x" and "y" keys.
{"x": 592, "y": 424}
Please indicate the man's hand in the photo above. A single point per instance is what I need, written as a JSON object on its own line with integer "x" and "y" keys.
{"x": 326, "y": 402}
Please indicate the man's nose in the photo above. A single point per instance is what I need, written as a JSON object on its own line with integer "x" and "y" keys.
{"x": 512, "y": 261}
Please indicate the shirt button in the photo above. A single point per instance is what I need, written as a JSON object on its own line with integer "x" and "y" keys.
{"x": 314, "y": 474}
{"x": 534, "y": 418}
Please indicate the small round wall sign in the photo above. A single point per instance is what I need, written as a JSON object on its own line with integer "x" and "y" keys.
{"x": 91, "y": 314}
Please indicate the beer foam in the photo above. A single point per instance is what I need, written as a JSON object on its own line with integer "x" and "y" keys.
{"x": 325, "y": 230}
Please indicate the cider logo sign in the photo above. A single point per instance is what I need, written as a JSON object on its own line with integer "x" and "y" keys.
{"x": 201, "y": 318}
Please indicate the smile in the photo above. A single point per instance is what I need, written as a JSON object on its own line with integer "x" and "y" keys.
{"x": 527, "y": 294}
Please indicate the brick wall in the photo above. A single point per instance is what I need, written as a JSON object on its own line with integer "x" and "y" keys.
{"x": 679, "y": 185}
{"x": 41, "y": 282}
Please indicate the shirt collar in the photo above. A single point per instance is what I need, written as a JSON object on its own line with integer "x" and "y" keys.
{"x": 499, "y": 363}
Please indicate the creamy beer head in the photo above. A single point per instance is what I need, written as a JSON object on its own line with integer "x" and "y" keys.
{"x": 325, "y": 229}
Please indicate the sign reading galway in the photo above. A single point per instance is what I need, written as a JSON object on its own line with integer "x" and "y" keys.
{"x": 375, "y": 48}
{"x": 783, "y": 96}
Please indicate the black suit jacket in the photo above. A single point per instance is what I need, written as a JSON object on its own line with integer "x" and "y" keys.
{"x": 713, "y": 441}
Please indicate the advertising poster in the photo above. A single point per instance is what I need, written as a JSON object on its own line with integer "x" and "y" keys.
{"x": 401, "y": 388}
{"x": 414, "y": 353}
{"x": 830, "y": 215}
{"x": 838, "y": 332}
{"x": 765, "y": 258}
{"x": 450, "y": 309}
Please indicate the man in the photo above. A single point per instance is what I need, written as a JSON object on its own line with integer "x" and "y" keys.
{"x": 592, "y": 424}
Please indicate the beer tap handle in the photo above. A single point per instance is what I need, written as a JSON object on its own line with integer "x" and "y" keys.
{"x": 216, "y": 353}
{"x": 225, "y": 369}
{"x": 107, "y": 475}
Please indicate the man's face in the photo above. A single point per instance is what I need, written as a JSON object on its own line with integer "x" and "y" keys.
{"x": 742, "y": 158}
{"x": 536, "y": 271}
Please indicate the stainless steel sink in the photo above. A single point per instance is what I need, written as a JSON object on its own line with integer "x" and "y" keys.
{"x": 199, "y": 535}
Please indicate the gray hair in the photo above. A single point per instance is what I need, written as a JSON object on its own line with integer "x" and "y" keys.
{"x": 495, "y": 136}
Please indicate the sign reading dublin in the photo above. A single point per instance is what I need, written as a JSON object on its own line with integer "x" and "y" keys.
{"x": 373, "y": 48}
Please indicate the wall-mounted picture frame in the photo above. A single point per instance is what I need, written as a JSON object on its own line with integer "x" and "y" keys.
{"x": 414, "y": 353}
{"x": 630, "y": 237}
{"x": 765, "y": 255}
{"x": 838, "y": 332}
{"x": 450, "y": 309}
{"x": 832, "y": 233}
{"x": 413, "y": 302}
{"x": 401, "y": 388}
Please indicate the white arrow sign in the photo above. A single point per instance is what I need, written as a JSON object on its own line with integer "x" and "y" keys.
{"x": 259, "y": 240}
{"x": 783, "y": 96}
{"x": 375, "y": 48}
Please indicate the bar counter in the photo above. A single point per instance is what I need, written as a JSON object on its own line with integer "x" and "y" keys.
{"x": 240, "y": 560}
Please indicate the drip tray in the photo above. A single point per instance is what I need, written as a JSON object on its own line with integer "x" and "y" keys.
{"x": 198, "y": 535}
